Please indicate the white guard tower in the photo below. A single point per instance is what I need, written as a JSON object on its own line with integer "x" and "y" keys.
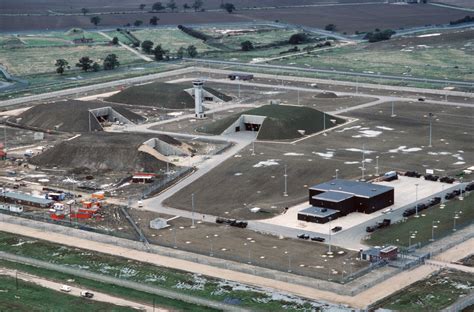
{"x": 198, "y": 109}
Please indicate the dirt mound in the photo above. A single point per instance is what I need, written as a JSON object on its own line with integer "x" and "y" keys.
{"x": 67, "y": 116}
{"x": 162, "y": 95}
{"x": 220, "y": 95}
{"x": 95, "y": 152}
{"x": 282, "y": 122}
{"x": 157, "y": 94}
{"x": 326, "y": 95}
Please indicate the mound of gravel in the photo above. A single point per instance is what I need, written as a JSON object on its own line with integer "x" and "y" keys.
{"x": 161, "y": 95}
{"x": 326, "y": 95}
{"x": 101, "y": 152}
{"x": 67, "y": 116}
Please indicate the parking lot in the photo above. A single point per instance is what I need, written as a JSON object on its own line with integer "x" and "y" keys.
{"x": 405, "y": 195}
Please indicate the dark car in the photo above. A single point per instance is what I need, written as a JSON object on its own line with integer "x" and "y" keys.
{"x": 318, "y": 239}
{"x": 409, "y": 212}
{"x": 336, "y": 228}
{"x": 303, "y": 236}
{"x": 370, "y": 229}
{"x": 421, "y": 99}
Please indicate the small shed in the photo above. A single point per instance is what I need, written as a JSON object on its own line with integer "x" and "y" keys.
{"x": 159, "y": 223}
{"x": 143, "y": 178}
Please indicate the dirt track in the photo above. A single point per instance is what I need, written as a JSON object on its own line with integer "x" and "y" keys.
{"x": 361, "y": 300}
{"x": 77, "y": 291}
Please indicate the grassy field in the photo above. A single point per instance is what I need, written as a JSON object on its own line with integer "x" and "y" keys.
{"x": 398, "y": 233}
{"x": 432, "y": 294}
{"x": 105, "y": 288}
{"x": 171, "y": 39}
{"x": 259, "y": 36}
{"x": 192, "y": 284}
{"x": 31, "y": 297}
{"x": 41, "y": 60}
{"x": 441, "y": 56}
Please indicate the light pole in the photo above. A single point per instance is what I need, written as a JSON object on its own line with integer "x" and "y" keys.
{"x": 412, "y": 236}
{"x": 298, "y": 96}
{"x": 192, "y": 211}
{"x": 289, "y": 261}
{"x": 174, "y": 236}
{"x": 377, "y": 166}
{"x": 285, "y": 193}
{"x": 329, "y": 228}
{"x": 249, "y": 260}
{"x": 460, "y": 196}
{"x": 431, "y": 124}
{"x": 393, "y": 109}
{"x": 433, "y": 226}
{"x": 210, "y": 245}
{"x": 337, "y": 170}
{"x": 253, "y": 148}
{"x": 324, "y": 121}
{"x": 416, "y": 200}
{"x": 456, "y": 216}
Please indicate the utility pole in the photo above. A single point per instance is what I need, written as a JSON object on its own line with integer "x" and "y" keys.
{"x": 377, "y": 166}
{"x": 431, "y": 123}
{"x": 192, "y": 213}
{"x": 393, "y": 109}
{"x": 416, "y": 200}
{"x": 324, "y": 120}
{"x": 363, "y": 162}
{"x": 298, "y": 96}
{"x": 253, "y": 148}
{"x": 329, "y": 228}
{"x": 285, "y": 193}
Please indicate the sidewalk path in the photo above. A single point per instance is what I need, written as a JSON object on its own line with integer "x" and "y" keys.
{"x": 123, "y": 45}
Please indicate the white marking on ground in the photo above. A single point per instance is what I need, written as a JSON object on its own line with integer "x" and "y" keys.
{"x": 358, "y": 150}
{"x": 267, "y": 163}
{"x": 326, "y": 155}
{"x": 384, "y": 128}
{"x": 293, "y": 154}
{"x": 404, "y": 149}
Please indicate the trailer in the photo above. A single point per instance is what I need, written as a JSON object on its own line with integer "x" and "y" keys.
{"x": 240, "y": 76}
{"x": 11, "y": 208}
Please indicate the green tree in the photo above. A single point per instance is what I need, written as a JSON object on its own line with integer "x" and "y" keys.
{"x": 95, "y": 20}
{"x": 84, "y": 11}
{"x": 115, "y": 41}
{"x": 85, "y": 63}
{"x": 95, "y": 67}
{"x": 147, "y": 46}
{"x": 159, "y": 53}
{"x": 229, "y": 7}
{"x": 192, "y": 51}
{"x": 157, "y": 6}
{"x": 111, "y": 62}
{"x": 180, "y": 53}
{"x": 330, "y": 27}
{"x": 298, "y": 38}
{"x": 142, "y": 6}
{"x": 172, "y": 5}
{"x": 137, "y": 23}
{"x": 186, "y": 7}
{"x": 61, "y": 65}
{"x": 246, "y": 45}
{"x": 197, "y": 5}
{"x": 154, "y": 20}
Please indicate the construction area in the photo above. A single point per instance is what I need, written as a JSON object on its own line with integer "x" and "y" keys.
{"x": 276, "y": 174}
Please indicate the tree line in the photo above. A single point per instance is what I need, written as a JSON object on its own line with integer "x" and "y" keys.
{"x": 162, "y": 54}
{"x": 85, "y": 63}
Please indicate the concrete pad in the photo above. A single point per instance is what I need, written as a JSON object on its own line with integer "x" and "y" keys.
{"x": 405, "y": 194}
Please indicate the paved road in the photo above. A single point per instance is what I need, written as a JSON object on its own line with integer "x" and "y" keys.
{"x": 340, "y": 72}
{"x": 75, "y": 291}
